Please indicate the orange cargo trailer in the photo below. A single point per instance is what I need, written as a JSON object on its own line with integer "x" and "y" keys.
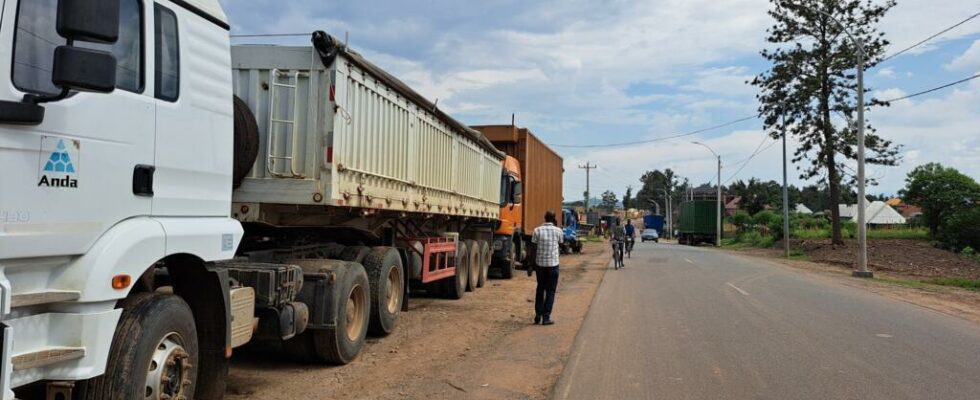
{"x": 541, "y": 175}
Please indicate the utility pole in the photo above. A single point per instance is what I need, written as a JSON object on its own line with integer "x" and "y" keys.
{"x": 587, "y": 169}
{"x": 785, "y": 200}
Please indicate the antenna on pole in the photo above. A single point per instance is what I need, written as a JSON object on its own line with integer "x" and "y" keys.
{"x": 346, "y": 39}
{"x": 512, "y": 119}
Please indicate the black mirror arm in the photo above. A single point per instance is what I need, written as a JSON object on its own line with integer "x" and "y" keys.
{"x": 36, "y": 99}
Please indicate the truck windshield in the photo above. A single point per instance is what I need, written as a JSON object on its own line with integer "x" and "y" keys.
{"x": 36, "y": 39}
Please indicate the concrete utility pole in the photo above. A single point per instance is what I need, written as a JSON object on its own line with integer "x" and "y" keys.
{"x": 721, "y": 208}
{"x": 785, "y": 200}
{"x": 670, "y": 213}
{"x": 587, "y": 169}
{"x": 862, "y": 271}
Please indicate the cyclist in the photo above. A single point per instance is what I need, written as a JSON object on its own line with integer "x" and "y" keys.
{"x": 630, "y": 234}
{"x": 618, "y": 236}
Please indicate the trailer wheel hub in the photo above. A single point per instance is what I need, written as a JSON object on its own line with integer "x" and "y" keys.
{"x": 394, "y": 293}
{"x": 356, "y": 301}
{"x": 169, "y": 373}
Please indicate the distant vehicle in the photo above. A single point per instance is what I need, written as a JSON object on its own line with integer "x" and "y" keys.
{"x": 650, "y": 234}
{"x": 570, "y": 244}
{"x": 654, "y": 222}
{"x": 697, "y": 222}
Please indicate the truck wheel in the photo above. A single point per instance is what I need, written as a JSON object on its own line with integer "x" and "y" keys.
{"x": 153, "y": 353}
{"x": 246, "y": 140}
{"x": 485, "y": 259}
{"x": 387, "y": 280}
{"x": 475, "y": 261}
{"x": 454, "y": 287}
{"x": 340, "y": 344}
{"x": 355, "y": 253}
{"x": 507, "y": 266}
{"x": 415, "y": 261}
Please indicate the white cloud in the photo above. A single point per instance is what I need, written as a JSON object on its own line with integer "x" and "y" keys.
{"x": 970, "y": 59}
{"x": 887, "y": 72}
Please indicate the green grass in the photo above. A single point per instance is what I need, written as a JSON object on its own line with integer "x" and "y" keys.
{"x": 591, "y": 238}
{"x": 972, "y": 284}
{"x": 897, "y": 233}
{"x": 901, "y": 233}
{"x": 901, "y": 282}
{"x": 798, "y": 255}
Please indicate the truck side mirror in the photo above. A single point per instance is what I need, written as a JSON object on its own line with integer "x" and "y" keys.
{"x": 78, "y": 68}
{"x": 88, "y": 20}
{"x": 84, "y": 69}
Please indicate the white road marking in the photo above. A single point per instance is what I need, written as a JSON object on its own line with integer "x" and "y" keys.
{"x": 883, "y": 335}
{"x": 692, "y": 262}
{"x": 736, "y": 288}
{"x": 571, "y": 374}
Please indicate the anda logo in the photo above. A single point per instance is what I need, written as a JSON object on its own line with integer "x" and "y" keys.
{"x": 59, "y": 162}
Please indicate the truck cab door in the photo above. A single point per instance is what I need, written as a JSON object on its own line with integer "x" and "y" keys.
{"x": 193, "y": 91}
{"x": 68, "y": 179}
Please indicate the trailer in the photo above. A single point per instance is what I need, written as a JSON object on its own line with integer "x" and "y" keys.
{"x": 530, "y": 164}
{"x": 167, "y": 205}
{"x": 697, "y": 222}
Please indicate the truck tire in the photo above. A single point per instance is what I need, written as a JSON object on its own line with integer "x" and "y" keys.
{"x": 155, "y": 338}
{"x": 415, "y": 260}
{"x": 340, "y": 344}
{"x": 387, "y": 280}
{"x": 486, "y": 258}
{"x": 246, "y": 136}
{"x": 474, "y": 263}
{"x": 355, "y": 253}
{"x": 507, "y": 266}
{"x": 455, "y": 287}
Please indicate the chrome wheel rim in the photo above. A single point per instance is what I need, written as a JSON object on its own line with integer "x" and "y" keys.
{"x": 169, "y": 374}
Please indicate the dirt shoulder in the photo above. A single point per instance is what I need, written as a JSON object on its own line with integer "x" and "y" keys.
{"x": 912, "y": 258}
{"x": 907, "y": 287}
{"x": 482, "y": 347}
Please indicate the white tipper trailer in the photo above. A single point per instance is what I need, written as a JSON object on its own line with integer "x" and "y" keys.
{"x": 166, "y": 197}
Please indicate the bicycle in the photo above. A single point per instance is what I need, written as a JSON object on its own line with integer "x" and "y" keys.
{"x": 617, "y": 254}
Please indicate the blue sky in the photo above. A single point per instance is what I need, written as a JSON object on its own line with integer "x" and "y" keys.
{"x": 594, "y": 72}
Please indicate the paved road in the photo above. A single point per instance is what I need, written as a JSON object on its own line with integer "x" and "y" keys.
{"x": 693, "y": 323}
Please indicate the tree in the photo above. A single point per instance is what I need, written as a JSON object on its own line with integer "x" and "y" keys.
{"x": 654, "y": 182}
{"x": 608, "y": 200}
{"x": 940, "y": 192}
{"x": 628, "y": 198}
{"x": 741, "y": 220}
{"x": 812, "y": 79}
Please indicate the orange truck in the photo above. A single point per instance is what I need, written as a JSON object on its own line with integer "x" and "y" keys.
{"x": 530, "y": 164}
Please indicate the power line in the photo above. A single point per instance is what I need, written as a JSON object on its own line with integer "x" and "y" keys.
{"x": 679, "y": 135}
{"x": 934, "y": 89}
{"x": 747, "y": 160}
{"x": 923, "y": 41}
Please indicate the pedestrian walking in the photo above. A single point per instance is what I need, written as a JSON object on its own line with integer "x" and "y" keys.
{"x": 547, "y": 237}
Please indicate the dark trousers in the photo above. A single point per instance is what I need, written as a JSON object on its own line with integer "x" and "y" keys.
{"x": 544, "y": 298}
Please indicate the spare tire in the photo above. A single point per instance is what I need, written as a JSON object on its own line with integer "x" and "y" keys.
{"x": 246, "y": 133}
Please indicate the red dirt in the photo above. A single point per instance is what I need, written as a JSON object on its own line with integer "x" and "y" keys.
{"x": 912, "y": 258}
{"x": 482, "y": 347}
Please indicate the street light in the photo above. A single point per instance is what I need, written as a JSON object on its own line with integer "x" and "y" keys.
{"x": 670, "y": 213}
{"x": 862, "y": 271}
{"x": 720, "y": 208}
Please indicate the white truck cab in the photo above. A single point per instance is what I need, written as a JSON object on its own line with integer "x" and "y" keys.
{"x": 115, "y": 125}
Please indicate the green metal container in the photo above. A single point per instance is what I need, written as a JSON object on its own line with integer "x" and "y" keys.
{"x": 697, "y": 222}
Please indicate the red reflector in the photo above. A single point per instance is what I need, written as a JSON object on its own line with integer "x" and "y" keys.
{"x": 329, "y": 154}
{"x": 332, "y": 92}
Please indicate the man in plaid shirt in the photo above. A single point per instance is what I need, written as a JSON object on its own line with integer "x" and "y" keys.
{"x": 547, "y": 237}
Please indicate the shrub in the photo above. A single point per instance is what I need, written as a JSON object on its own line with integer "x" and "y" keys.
{"x": 741, "y": 219}
{"x": 849, "y": 229}
{"x": 962, "y": 229}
